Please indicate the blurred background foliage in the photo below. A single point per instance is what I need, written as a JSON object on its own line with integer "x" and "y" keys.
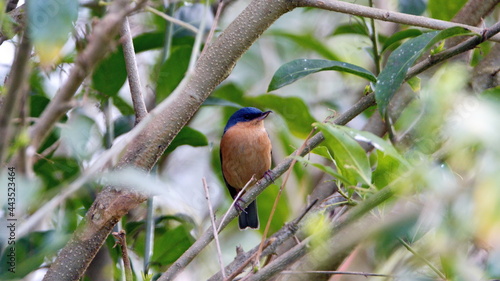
{"x": 442, "y": 154}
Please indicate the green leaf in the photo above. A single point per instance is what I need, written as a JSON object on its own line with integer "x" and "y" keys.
{"x": 412, "y": 7}
{"x": 265, "y": 203}
{"x": 172, "y": 72}
{"x": 38, "y": 104}
{"x": 398, "y": 63}
{"x": 296, "y": 69}
{"x": 123, "y": 106}
{"x": 326, "y": 169}
{"x": 110, "y": 74}
{"x": 322, "y": 151}
{"x": 123, "y": 124}
{"x": 388, "y": 169}
{"x": 351, "y": 160}
{"x": 351, "y": 28}
{"x": 398, "y": 36}
{"x": 56, "y": 170}
{"x": 172, "y": 244}
{"x": 292, "y": 109}
{"x": 377, "y": 142}
{"x": 414, "y": 84}
{"x": 445, "y": 10}
{"x": 220, "y": 102}
{"x": 50, "y": 24}
{"x": 308, "y": 42}
{"x": 188, "y": 136}
{"x": 30, "y": 252}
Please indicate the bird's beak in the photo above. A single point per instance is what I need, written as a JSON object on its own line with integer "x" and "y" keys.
{"x": 264, "y": 115}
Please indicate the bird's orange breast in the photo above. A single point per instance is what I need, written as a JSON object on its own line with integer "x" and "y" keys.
{"x": 245, "y": 151}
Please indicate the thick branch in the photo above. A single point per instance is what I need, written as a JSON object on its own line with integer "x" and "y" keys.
{"x": 384, "y": 15}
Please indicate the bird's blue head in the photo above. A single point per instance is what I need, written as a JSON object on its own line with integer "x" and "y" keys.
{"x": 244, "y": 115}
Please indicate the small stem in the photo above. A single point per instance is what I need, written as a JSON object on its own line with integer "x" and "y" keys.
{"x": 275, "y": 205}
{"x": 373, "y": 37}
{"x": 134, "y": 80}
{"x": 214, "y": 25}
{"x": 198, "y": 40}
{"x": 422, "y": 258}
{"x": 366, "y": 274}
{"x": 122, "y": 241}
{"x": 150, "y": 232}
{"x": 169, "y": 29}
{"x": 172, "y": 19}
{"x": 212, "y": 219}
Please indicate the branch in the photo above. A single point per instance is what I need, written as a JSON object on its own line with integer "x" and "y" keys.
{"x": 134, "y": 80}
{"x": 121, "y": 239}
{"x": 18, "y": 77}
{"x": 385, "y": 15}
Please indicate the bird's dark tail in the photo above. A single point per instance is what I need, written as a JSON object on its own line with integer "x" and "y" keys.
{"x": 249, "y": 217}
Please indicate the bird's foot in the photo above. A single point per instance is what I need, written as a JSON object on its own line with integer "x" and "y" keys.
{"x": 269, "y": 175}
{"x": 237, "y": 205}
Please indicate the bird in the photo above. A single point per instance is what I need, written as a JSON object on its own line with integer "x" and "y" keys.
{"x": 245, "y": 151}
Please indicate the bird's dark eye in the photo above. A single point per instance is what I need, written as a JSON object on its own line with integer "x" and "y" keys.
{"x": 247, "y": 116}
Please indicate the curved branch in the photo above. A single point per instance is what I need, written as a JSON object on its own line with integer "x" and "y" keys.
{"x": 385, "y": 15}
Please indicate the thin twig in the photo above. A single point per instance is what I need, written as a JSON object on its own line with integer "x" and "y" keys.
{"x": 276, "y": 200}
{"x": 172, "y": 19}
{"x": 121, "y": 240}
{"x": 366, "y": 274}
{"x": 150, "y": 232}
{"x": 246, "y": 263}
{"x": 422, "y": 258}
{"x": 134, "y": 81}
{"x": 214, "y": 228}
{"x": 373, "y": 38}
{"x": 238, "y": 196}
{"x": 214, "y": 26}
{"x": 198, "y": 40}
{"x": 278, "y": 238}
